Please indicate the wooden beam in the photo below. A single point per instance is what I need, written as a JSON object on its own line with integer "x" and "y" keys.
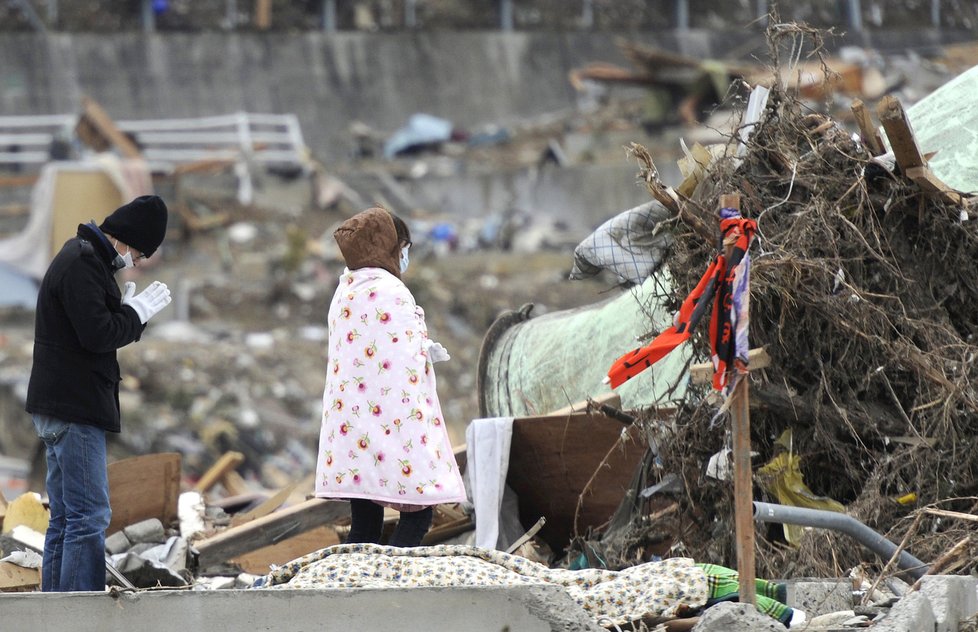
{"x": 266, "y": 507}
{"x": 18, "y": 181}
{"x": 611, "y": 398}
{"x": 912, "y": 163}
{"x": 898, "y": 131}
{"x": 271, "y": 529}
{"x": 263, "y": 14}
{"x": 702, "y": 373}
{"x": 743, "y": 491}
{"x": 743, "y": 483}
{"x": 97, "y": 129}
{"x": 228, "y": 462}
{"x": 234, "y": 484}
{"x": 867, "y": 130}
{"x": 924, "y": 178}
{"x": 447, "y": 530}
{"x": 259, "y": 561}
{"x": 15, "y": 578}
{"x": 143, "y": 487}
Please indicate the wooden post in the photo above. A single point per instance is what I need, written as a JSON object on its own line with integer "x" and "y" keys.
{"x": 228, "y": 462}
{"x": 909, "y": 157}
{"x": 743, "y": 484}
{"x": 870, "y": 135}
{"x": 263, "y": 14}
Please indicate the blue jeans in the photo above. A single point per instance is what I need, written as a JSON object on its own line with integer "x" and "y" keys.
{"x": 78, "y": 494}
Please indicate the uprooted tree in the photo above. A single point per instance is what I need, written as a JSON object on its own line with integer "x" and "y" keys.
{"x": 864, "y": 292}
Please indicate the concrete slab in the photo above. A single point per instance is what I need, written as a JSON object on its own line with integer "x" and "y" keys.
{"x": 533, "y": 609}
{"x": 815, "y": 597}
{"x": 912, "y": 613}
{"x": 953, "y": 598}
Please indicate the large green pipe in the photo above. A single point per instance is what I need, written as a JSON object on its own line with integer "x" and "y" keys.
{"x": 531, "y": 366}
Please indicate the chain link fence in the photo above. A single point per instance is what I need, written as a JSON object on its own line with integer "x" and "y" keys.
{"x": 108, "y": 16}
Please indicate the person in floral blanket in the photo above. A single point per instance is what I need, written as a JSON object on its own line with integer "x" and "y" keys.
{"x": 383, "y": 440}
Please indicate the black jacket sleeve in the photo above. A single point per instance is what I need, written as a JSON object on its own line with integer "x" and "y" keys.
{"x": 100, "y": 321}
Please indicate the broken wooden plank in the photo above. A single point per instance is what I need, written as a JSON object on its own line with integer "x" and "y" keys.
{"x": 924, "y": 178}
{"x": 8, "y": 181}
{"x": 899, "y": 133}
{"x": 234, "y": 484}
{"x": 448, "y": 530}
{"x": 702, "y": 373}
{"x": 97, "y": 130}
{"x": 14, "y": 578}
{"x": 228, "y": 462}
{"x": 867, "y": 130}
{"x": 263, "y": 14}
{"x": 526, "y": 537}
{"x": 259, "y": 561}
{"x": 266, "y": 507}
{"x": 610, "y": 398}
{"x": 272, "y": 529}
{"x": 912, "y": 162}
{"x": 144, "y": 487}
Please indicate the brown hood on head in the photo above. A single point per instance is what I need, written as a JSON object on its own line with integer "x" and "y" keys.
{"x": 369, "y": 240}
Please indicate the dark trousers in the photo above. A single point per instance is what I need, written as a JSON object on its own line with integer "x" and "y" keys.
{"x": 367, "y": 524}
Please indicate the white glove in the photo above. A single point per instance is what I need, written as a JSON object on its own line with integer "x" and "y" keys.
{"x": 149, "y": 302}
{"x": 438, "y": 353}
{"x": 797, "y": 618}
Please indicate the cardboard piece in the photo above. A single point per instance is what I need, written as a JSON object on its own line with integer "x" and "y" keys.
{"x": 144, "y": 487}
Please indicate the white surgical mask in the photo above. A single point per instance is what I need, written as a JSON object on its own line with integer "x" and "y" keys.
{"x": 404, "y": 259}
{"x": 125, "y": 260}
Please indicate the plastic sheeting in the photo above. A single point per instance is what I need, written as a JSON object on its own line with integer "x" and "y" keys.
{"x": 626, "y": 245}
{"x": 946, "y": 121}
{"x": 531, "y": 366}
{"x": 65, "y": 194}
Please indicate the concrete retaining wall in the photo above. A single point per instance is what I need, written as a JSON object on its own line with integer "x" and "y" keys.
{"x": 329, "y": 80}
{"x": 529, "y": 609}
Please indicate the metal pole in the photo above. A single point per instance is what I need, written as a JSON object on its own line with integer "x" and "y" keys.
{"x": 855, "y": 17}
{"x": 682, "y": 15}
{"x": 329, "y": 16}
{"x": 28, "y": 10}
{"x": 587, "y": 14}
{"x": 53, "y": 13}
{"x": 935, "y": 13}
{"x": 762, "y": 11}
{"x": 842, "y": 523}
{"x": 232, "y": 14}
{"x": 506, "y": 15}
{"x": 410, "y": 13}
{"x": 149, "y": 18}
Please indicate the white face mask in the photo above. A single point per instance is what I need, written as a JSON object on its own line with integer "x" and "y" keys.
{"x": 404, "y": 259}
{"x": 126, "y": 259}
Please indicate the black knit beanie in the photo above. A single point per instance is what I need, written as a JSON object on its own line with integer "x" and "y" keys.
{"x": 140, "y": 223}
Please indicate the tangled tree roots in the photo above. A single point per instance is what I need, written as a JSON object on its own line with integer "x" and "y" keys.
{"x": 865, "y": 293}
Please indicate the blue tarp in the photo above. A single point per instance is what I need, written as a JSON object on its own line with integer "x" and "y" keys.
{"x": 421, "y": 129}
{"x": 16, "y": 289}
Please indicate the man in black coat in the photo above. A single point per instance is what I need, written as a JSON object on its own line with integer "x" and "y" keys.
{"x": 73, "y": 396}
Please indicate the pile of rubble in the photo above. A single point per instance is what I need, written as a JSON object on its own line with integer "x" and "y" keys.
{"x": 862, "y": 293}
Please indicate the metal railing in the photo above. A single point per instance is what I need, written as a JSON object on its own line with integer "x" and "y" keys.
{"x": 261, "y": 138}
